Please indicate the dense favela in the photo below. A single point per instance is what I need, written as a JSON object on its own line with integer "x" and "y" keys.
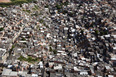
{"x": 57, "y": 38}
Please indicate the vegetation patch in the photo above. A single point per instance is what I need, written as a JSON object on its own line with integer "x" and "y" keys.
{"x": 14, "y": 2}
{"x": 23, "y": 39}
{"x": 1, "y": 29}
{"x": 28, "y": 11}
{"x": 41, "y": 21}
{"x": 29, "y": 59}
{"x": 13, "y": 46}
{"x": 52, "y": 50}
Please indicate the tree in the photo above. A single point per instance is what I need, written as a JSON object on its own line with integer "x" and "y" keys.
{"x": 23, "y": 39}
{"x": 1, "y": 29}
{"x": 55, "y": 51}
{"x": 96, "y": 32}
{"x": 58, "y": 6}
{"x": 50, "y": 49}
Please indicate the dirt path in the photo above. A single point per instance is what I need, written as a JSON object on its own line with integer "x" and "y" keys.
{"x": 4, "y": 1}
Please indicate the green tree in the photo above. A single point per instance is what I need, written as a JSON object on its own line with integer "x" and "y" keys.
{"x": 23, "y": 39}
{"x": 96, "y": 32}
{"x": 55, "y": 51}
{"x": 50, "y": 49}
{"x": 58, "y": 6}
{"x": 1, "y": 29}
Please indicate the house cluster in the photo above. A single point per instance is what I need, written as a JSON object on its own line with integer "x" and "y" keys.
{"x": 11, "y": 25}
{"x": 59, "y": 38}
